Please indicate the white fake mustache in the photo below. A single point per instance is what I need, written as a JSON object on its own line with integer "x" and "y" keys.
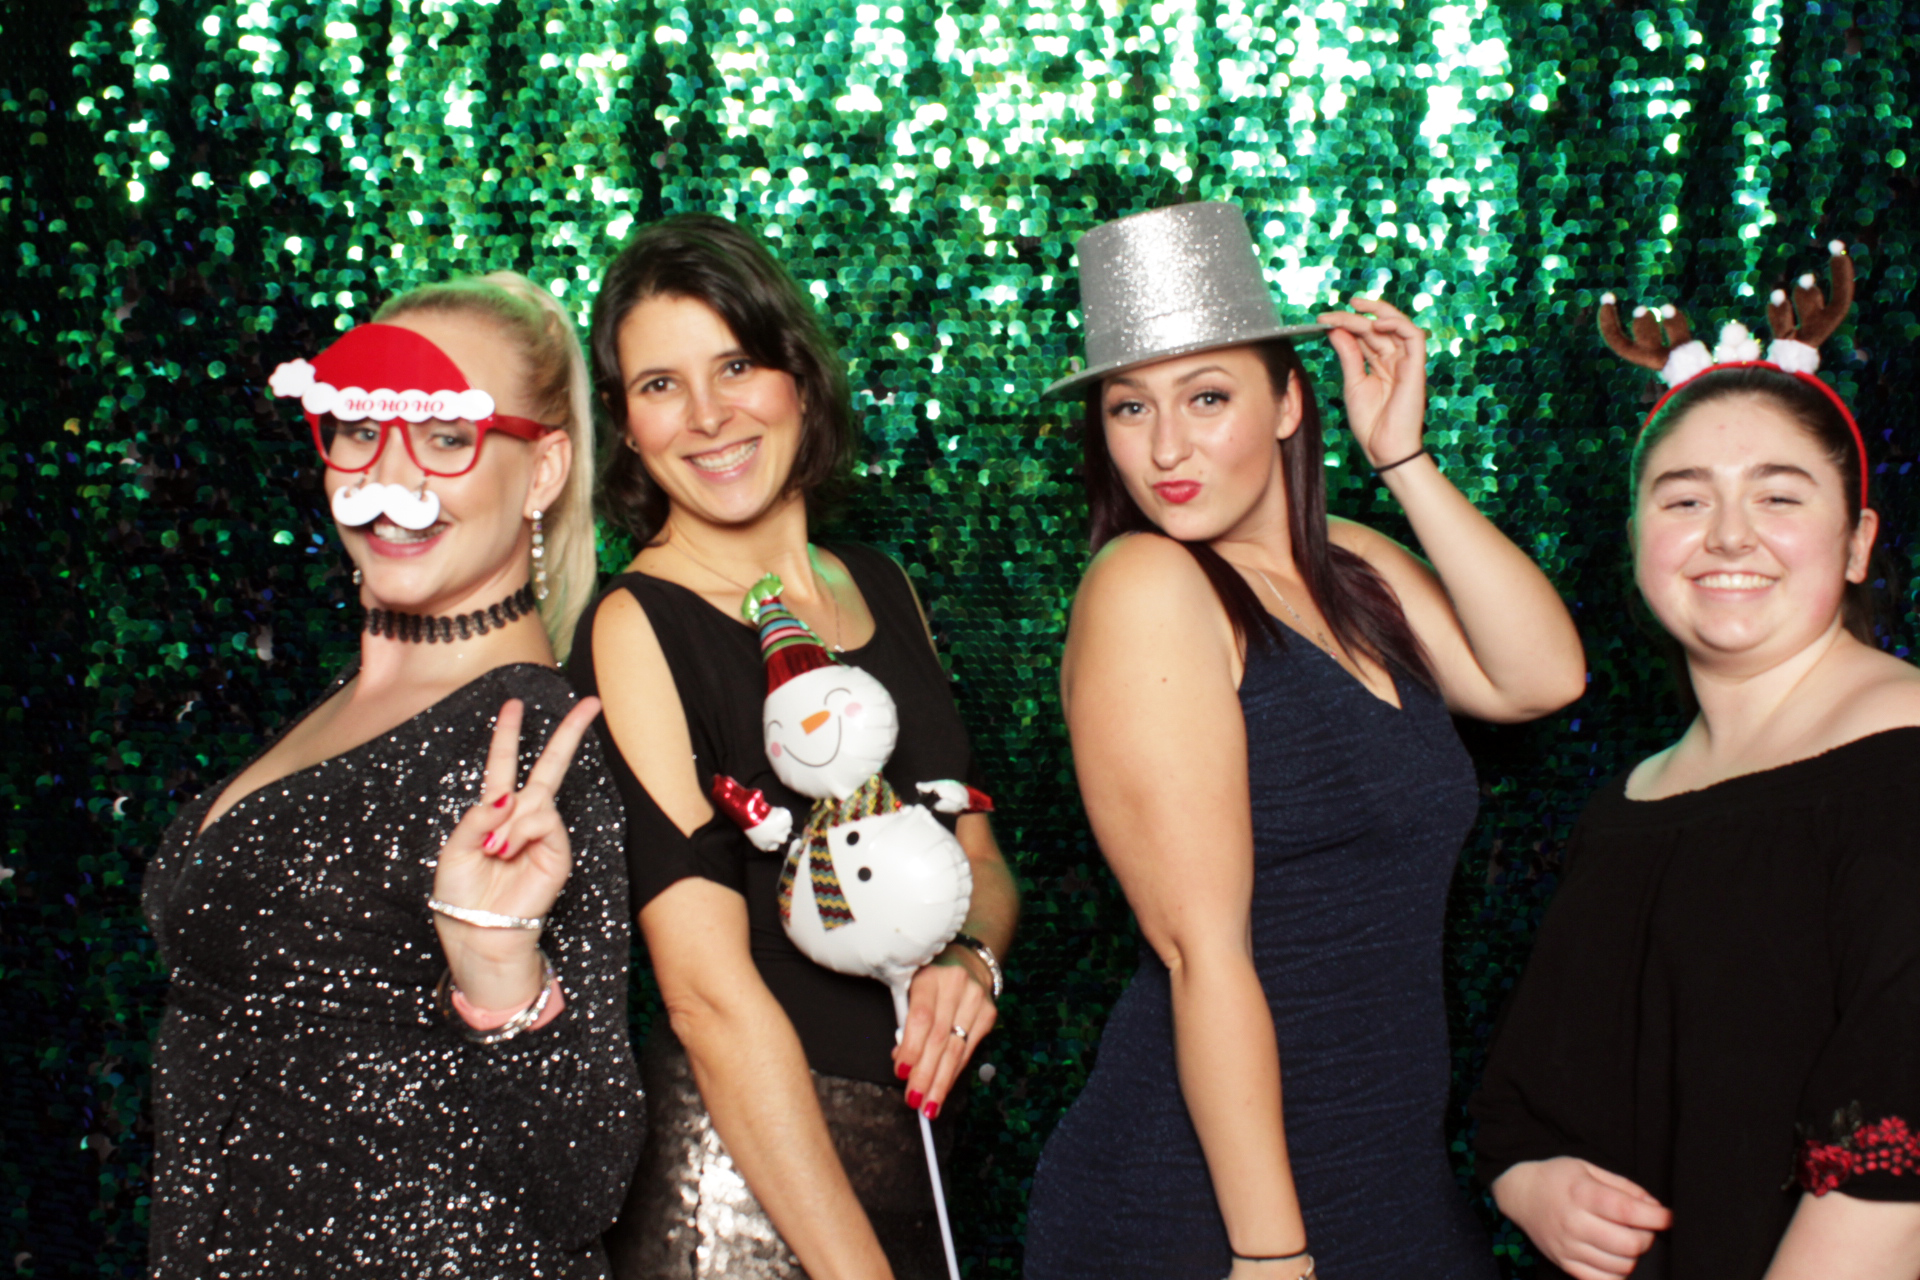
{"x": 360, "y": 504}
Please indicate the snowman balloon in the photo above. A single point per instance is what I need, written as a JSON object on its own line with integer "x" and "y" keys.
{"x": 872, "y": 886}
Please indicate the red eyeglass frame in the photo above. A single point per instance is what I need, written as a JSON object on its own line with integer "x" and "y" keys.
{"x": 519, "y": 428}
{"x": 385, "y": 356}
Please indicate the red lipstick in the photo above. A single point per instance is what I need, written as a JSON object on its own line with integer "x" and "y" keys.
{"x": 1178, "y": 491}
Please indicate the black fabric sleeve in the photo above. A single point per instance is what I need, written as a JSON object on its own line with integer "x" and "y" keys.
{"x": 1860, "y": 1111}
{"x": 659, "y": 854}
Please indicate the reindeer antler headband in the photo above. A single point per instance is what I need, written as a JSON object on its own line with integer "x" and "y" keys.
{"x": 1664, "y": 342}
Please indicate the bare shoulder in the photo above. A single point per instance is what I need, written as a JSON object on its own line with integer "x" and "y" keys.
{"x": 1371, "y": 545}
{"x": 644, "y": 714}
{"x": 1145, "y": 602}
{"x": 1883, "y": 693}
{"x": 1140, "y": 568}
{"x": 621, "y": 627}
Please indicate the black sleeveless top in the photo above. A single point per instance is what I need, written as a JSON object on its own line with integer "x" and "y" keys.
{"x": 845, "y": 1024}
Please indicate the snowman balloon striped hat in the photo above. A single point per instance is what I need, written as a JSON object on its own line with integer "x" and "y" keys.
{"x": 1663, "y": 341}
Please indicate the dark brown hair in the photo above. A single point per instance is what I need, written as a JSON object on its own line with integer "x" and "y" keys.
{"x": 725, "y": 266}
{"x": 1361, "y": 610}
{"x": 1812, "y": 411}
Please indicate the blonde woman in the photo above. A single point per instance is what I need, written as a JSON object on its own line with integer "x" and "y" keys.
{"x": 395, "y": 1041}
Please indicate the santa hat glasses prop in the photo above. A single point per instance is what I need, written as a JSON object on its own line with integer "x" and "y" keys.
{"x": 441, "y": 420}
{"x": 1663, "y": 341}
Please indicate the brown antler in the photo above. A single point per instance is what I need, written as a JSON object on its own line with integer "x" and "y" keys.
{"x": 1818, "y": 316}
{"x": 1645, "y": 348}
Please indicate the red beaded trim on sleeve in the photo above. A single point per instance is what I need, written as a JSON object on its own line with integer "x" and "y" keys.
{"x": 1885, "y": 1146}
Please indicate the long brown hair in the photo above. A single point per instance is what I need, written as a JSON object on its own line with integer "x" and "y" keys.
{"x": 1361, "y": 610}
{"x": 725, "y": 266}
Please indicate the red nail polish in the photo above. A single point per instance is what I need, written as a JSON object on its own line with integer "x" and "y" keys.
{"x": 932, "y": 1111}
{"x": 501, "y": 803}
{"x": 492, "y": 843}
{"x": 903, "y": 1070}
{"x": 913, "y": 1098}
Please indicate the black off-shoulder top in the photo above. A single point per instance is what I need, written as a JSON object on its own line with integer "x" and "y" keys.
{"x": 1724, "y": 1003}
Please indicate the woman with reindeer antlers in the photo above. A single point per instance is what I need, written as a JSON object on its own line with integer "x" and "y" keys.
{"x": 1711, "y": 1067}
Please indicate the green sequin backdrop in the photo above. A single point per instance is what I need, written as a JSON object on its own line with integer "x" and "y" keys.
{"x": 193, "y": 192}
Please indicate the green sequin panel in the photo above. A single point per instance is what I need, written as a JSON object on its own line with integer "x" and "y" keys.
{"x": 192, "y": 192}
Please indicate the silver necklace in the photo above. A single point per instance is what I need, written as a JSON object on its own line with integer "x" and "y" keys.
{"x": 1314, "y": 634}
{"x": 813, "y": 565}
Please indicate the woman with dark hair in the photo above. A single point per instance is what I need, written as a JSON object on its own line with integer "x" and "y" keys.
{"x": 1711, "y": 1067}
{"x": 1258, "y": 697}
{"x": 395, "y": 1041}
{"x": 783, "y": 1138}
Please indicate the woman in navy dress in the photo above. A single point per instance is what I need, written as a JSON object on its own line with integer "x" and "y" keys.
{"x": 1259, "y": 698}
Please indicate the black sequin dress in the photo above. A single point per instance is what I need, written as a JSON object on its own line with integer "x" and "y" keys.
{"x": 317, "y": 1113}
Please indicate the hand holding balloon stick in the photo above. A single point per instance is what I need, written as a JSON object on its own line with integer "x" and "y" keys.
{"x": 872, "y": 886}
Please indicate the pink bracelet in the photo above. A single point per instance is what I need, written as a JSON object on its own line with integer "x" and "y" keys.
{"x": 493, "y": 1019}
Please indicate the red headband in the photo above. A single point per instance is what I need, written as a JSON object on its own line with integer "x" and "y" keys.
{"x": 1833, "y": 397}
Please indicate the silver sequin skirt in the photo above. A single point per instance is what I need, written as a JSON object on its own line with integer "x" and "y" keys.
{"x": 689, "y": 1212}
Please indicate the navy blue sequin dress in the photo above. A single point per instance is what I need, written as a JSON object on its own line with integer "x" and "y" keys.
{"x": 1359, "y": 811}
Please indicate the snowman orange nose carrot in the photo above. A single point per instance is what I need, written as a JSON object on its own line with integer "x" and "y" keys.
{"x": 815, "y": 720}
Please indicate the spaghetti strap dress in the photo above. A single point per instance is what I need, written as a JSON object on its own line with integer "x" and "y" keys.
{"x": 1359, "y": 812}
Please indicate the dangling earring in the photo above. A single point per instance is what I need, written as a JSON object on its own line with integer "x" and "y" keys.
{"x": 539, "y": 557}
{"x": 358, "y": 577}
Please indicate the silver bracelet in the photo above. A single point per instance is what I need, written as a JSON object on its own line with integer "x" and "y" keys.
{"x": 987, "y": 958}
{"x": 512, "y": 1026}
{"x": 485, "y": 919}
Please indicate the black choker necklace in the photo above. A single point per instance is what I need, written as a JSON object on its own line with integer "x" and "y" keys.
{"x": 418, "y": 628}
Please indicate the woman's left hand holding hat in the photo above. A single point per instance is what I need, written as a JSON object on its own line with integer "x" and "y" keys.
{"x": 508, "y": 857}
{"x": 1383, "y": 358}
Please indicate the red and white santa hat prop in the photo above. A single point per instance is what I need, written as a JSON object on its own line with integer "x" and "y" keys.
{"x": 411, "y": 380}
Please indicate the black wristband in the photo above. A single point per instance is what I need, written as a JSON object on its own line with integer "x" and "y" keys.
{"x": 1421, "y": 452}
{"x": 1270, "y": 1257}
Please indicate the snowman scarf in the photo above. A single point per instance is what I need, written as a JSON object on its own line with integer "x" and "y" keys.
{"x": 874, "y": 796}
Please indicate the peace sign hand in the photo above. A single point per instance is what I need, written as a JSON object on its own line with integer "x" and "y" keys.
{"x": 509, "y": 855}
{"x": 1383, "y": 356}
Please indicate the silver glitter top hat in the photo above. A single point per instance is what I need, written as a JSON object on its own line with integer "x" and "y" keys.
{"x": 1171, "y": 282}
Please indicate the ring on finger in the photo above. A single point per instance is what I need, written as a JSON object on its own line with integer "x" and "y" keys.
{"x": 960, "y": 1031}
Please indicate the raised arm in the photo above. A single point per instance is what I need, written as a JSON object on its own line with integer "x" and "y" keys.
{"x": 1159, "y": 744}
{"x": 746, "y": 1057}
{"x": 559, "y": 1112}
{"x": 1502, "y": 643}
